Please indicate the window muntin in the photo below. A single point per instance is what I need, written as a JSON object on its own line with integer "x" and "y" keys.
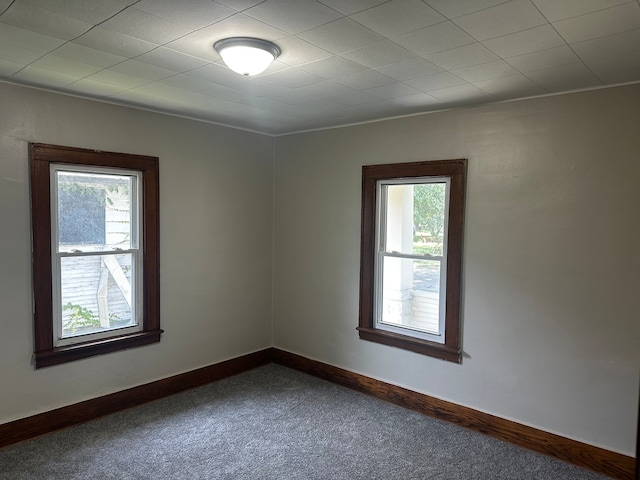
{"x": 413, "y": 261}
{"x": 410, "y": 294}
{"x": 96, "y": 259}
{"x": 130, "y": 252}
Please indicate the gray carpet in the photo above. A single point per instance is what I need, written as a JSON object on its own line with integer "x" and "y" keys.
{"x": 274, "y": 423}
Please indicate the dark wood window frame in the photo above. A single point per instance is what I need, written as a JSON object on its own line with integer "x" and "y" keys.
{"x": 41, "y": 156}
{"x": 451, "y": 349}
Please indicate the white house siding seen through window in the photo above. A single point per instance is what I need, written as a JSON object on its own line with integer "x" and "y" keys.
{"x": 96, "y": 259}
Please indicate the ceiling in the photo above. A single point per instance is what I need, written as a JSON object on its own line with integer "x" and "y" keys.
{"x": 342, "y": 61}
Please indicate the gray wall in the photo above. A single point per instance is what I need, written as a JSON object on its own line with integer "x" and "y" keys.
{"x": 551, "y": 304}
{"x": 551, "y": 301}
{"x": 216, "y": 210}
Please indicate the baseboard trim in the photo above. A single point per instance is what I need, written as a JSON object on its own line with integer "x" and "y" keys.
{"x": 598, "y": 459}
{"x": 30, "y": 427}
{"x": 594, "y": 458}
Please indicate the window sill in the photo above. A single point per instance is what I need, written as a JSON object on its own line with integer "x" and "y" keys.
{"x": 69, "y": 353}
{"x": 416, "y": 345}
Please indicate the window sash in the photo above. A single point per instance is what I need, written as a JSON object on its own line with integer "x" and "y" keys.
{"x": 57, "y": 254}
{"x": 383, "y": 252}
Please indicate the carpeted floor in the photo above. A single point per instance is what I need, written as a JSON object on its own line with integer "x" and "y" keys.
{"x": 275, "y": 423}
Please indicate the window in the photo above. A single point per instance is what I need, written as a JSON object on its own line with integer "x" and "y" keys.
{"x": 95, "y": 252}
{"x": 411, "y": 256}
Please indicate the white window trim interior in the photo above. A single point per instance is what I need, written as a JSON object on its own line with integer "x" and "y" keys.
{"x": 134, "y": 250}
{"x": 381, "y": 253}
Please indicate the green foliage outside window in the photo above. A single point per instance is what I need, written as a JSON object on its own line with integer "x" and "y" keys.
{"x": 428, "y": 208}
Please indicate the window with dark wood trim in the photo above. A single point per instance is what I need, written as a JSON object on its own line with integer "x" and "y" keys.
{"x": 142, "y": 294}
{"x": 389, "y": 255}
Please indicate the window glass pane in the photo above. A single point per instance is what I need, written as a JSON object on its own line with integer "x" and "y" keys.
{"x": 94, "y": 211}
{"x": 411, "y": 294}
{"x": 415, "y": 218}
{"x": 429, "y": 203}
{"x": 96, "y": 293}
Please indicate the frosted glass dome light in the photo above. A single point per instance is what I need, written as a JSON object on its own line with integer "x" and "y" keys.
{"x": 247, "y": 56}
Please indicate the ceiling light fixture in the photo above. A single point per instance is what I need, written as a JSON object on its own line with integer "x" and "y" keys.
{"x": 245, "y": 55}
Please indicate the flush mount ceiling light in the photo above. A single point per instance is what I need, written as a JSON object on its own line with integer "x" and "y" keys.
{"x": 246, "y": 55}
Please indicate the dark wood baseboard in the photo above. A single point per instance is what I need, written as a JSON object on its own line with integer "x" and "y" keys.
{"x": 594, "y": 458}
{"x": 26, "y": 428}
{"x": 600, "y": 460}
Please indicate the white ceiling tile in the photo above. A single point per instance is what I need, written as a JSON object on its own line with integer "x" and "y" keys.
{"x": 88, "y": 55}
{"x": 398, "y": 16}
{"x": 33, "y": 18}
{"x": 117, "y": 79}
{"x": 599, "y": 24}
{"x": 70, "y": 67}
{"x": 87, "y": 11}
{"x": 354, "y": 97}
{"x": 392, "y": 90}
{"x": 460, "y": 57}
{"x": 213, "y": 72}
{"x": 321, "y": 105}
{"x": 457, "y": 8}
{"x": 292, "y": 78}
{"x": 197, "y": 14}
{"x": 144, "y": 70}
{"x": 44, "y": 78}
{"x": 485, "y": 71}
{"x": 435, "y": 81}
{"x": 8, "y": 68}
{"x": 619, "y": 46}
{"x": 555, "y": 10}
{"x": 341, "y": 36}
{"x": 417, "y": 100}
{"x": 460, "y": 93}
{"x": 16, "y": 54}
{"x": 158, "y": 90}
{"x": 138, "y": 24}
{"x": 527, "y": 41}
{"x": 613, "y": 59}
{"x": 295, "y": 51}
{"x": 171, "y": 59}
{"x": 284, "y": 94}
{"x": 365, "y": 79}
{"x": 204, "y": 87}
{"x": 200, "y": 42}
{"x": 114, "y": 42}
{"x": 564, "y": 77}
{"x": 379, "y": 54}
{"x": 293, "y": 16}
{"x": 437, "y": 38}
{"x": 27, "y": 40}
{"x": 94, "y": 88}
{"x": 503, "y": 19}
{"x": 416, "y": 67}
{"x": 332, "y": 67}
{"x": 326, "y": 89}
{"x": 510, "y": 87}
{"x": 553, "y": 57}
{"x": 333, "y": 71}
{"x": 239, "y": 4}
{"x": 275, "y": 66}
{"x": 348, "y": 7}
{"x": 616, "y": 70}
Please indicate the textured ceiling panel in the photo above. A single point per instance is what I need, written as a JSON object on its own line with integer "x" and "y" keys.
{"x": 342, "y": 61}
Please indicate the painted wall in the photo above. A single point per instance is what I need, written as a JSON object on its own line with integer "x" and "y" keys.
{"x": 551, "y": 293}
{"x": 216, "y": 210}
